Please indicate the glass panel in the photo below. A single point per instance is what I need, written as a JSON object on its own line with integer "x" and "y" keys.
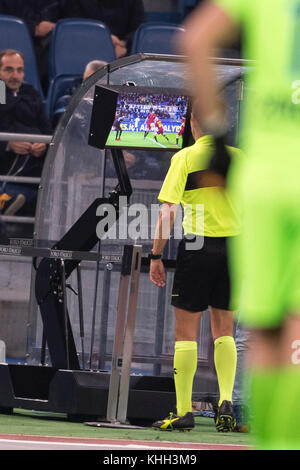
{"x": 73, "y": 177}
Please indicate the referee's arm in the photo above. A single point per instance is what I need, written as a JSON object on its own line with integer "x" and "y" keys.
{"x": 208, "y": 28}
{"x": 162, "y": 234}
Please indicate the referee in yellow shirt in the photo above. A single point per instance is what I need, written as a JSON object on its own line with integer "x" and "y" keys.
{"x": 201, "y": 278}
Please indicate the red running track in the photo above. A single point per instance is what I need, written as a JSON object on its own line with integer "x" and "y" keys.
{"x": 21, "y": 442}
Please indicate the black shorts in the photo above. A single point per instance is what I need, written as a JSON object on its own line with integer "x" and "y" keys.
{"x": 202, "y": 276}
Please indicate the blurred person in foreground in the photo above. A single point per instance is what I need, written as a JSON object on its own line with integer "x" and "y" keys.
{"x": 266, "y": 257}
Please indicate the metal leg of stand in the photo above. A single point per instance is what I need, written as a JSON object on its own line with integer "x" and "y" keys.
{"x": 114, "y": 383}
{"x": 94, "y": 308}
{"x": 64, "y": 302}
{"x": 104, "y": 316}
{"x": 80, "y": 308}
{"x": 159, "y": 328}
{"x": 123, "y": 342}
{"x": 129, "y": 335}
{"x": 43, "y": 349}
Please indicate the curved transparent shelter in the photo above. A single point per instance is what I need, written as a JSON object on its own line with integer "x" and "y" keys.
{"x": 74, "y": 175}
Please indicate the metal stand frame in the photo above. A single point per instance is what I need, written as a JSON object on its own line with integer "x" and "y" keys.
{"x": 119, "y": 382}
{"x": 123, "y": 341}
{"x": 118, "y": 391}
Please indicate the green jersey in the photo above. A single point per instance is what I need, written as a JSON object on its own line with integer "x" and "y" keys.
{"x": 267, "y": 184}
{"x": 208, "y": 211}
{"x": 271, "y": 37}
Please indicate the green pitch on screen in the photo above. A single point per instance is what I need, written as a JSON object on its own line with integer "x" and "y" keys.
{"x": 136, "y": 139}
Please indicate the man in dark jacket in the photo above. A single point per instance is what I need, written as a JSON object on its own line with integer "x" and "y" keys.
{"x": 23, "y": 112}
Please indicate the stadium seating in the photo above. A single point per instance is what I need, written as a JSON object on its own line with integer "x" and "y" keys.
{"x": 58, "y": 89}
{"x": 156, "y": 38}
{"x": 171, "y": 17}
{"x": 185, "y": 6}
{"x": 75, "y": 42}
{"x": 15, "y": 35}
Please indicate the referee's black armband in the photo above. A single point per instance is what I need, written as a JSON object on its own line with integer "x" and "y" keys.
{"x": 221, "y": 159}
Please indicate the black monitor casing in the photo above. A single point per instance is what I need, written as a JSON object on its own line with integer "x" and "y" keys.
{"x": 104, "y": 112}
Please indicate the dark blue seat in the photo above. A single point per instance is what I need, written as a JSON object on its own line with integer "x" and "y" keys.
{"x": 156, "y": 38}
{"x": 14, "y": 34}
{"x": 185, "y": 6}
{"x": 75, "y": 42}
{"x": 59, "y": 94}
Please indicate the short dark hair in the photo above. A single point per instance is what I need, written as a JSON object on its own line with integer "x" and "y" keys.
{"x": 10, "y": 52}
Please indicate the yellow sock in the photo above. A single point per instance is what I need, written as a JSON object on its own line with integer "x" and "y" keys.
{"x": 225, "y": 362}
{"x": 185, "y": 366}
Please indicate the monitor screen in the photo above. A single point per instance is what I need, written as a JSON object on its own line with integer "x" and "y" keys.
{"x": 142, "y": 118}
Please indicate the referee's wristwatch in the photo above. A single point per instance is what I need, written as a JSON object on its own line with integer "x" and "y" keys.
{"x": 152, "y": 256}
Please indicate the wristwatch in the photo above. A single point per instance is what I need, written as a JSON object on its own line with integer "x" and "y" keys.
{"x": 152, "y": 256}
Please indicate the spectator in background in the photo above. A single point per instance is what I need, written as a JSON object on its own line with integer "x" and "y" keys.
{"x": 49, "y": 11}
{"x": 92, "y": 67}
{"x": 122, "y": 17}
{"x": 24, "y": 112}
{"x": 40, "y": 17}
{"x": 26, "y": 10}
{"x": 62, "y": 102}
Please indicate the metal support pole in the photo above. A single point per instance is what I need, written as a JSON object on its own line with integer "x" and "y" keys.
{"x": 129, "y": 334}
{"x": 95, "y": 307}
{"x": 43, "y": 349}
{"x": 80, "y": 308}
{"x": 13, "y": 137}
{"x": 124, "y": 332}
{"x": 20, "y": 179}
{"x": 63, "y": 300}
{"x": 114, "y": 383}
{"x": 104, "y": 315}
{"x": 159, "y": 328}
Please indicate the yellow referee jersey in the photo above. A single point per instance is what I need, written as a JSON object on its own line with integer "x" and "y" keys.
{"x": 208, "y": 211}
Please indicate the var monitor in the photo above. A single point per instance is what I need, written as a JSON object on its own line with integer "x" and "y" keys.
{"x": 140, "y": 118}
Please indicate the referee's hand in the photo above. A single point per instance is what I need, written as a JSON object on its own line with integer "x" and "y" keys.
{"x": 157, "y": 272}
